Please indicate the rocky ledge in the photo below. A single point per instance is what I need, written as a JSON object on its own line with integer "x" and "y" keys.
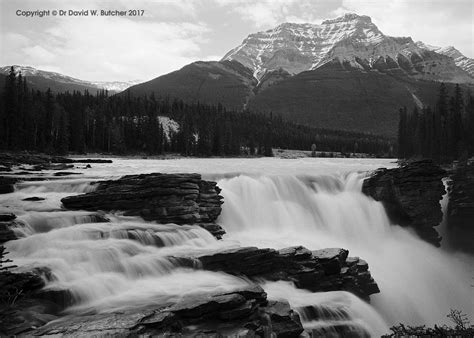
{"x": 241, "y": 312}
{"x": 165, "y": 198}
{"x": 461, "y": 207}
{"x": 411, "y": 196}
{"x": 317, "y": 271}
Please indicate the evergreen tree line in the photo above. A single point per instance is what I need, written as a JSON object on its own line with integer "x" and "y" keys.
{"x": 82, "y": 122}
{"x": 444, "y": 134}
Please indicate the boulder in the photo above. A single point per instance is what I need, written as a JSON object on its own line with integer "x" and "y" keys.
{"x": 460, "y": 218}
{"x": 165, "y": 198}
{"x": 411, "y": 195}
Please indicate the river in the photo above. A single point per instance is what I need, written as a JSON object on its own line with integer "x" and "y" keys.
{"x": 268, "y": 202}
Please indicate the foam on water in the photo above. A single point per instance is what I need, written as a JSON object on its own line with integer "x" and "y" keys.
{"x": 419, "y": 283}
{"x": 268, "y": 203}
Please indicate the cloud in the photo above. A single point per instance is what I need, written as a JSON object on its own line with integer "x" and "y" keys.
{"x": 108, "y": 48}
{"x": 435, "y": 22}
{"x": 113, "y": 48}
{"x": 270, "y": 13}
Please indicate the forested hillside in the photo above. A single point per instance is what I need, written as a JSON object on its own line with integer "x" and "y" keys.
{"x": 81, "y": 122}
{"x": 443, "y": 133}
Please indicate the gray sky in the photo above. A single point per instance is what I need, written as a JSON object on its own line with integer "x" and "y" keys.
{"x": 173, "y": 33}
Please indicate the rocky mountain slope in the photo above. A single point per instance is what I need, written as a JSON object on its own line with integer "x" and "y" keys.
{"x": 43, "y": 80}
{"x": 350, "y": 39}
{"x": 460, "y": 60}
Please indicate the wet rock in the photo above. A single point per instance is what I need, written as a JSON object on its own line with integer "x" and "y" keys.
{"x": 243, "y": 310}
{"x": 14, "y": 159}
{"x": 88, "y": 160}
{"x": 4, "y": 168}
{"x": 6, "y": 228}
{"x": 7, "y": 184}
{"x": 215, "y": 229}
{"x": 66, "y": 173}
{"x": 7, "y": 217}
{"x": 52, "y": 166}
{"x": 332, "y": 259}
{"x": 411, "y": 195}
{"x": 321, "y": 270}
{"x": 284, "y": 321}
{"x": 461, "y": 208}
{"x": 166, "y": 198}
{"x": 33, "y": 199}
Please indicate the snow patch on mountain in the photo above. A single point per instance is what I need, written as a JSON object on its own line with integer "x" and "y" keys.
{"x": 351, "y": 39}
{"x": 460, "y": 60}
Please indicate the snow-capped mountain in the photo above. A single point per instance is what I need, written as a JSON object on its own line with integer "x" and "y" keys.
{"x": 460, "y": 60}
{"x": 352, "y": 40}
{"x": 58, "y": 82}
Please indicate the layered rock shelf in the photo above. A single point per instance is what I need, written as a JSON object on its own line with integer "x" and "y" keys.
{"x": 165, "y": 198}
{"x": 461, "y": 207}
{"x": 317, "y": 271}
{"x": 411, "y": 196}
{"x": 242, "y": 312}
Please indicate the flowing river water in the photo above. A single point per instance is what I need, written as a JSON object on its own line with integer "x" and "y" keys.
{"x": 273, "y": 203}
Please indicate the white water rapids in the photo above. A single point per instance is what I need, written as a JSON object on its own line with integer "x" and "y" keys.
{"x": 274, "y": 203}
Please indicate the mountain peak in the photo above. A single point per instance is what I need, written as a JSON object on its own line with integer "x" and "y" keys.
{"x": 348, "y": 17}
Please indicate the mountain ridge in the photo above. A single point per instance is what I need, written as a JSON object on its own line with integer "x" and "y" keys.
{"x": 350, "y": 38}
{"x": 59, "y": 82}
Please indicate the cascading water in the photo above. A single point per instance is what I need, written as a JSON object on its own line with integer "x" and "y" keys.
{"x": 322, "y": 313}
{"x": 127, "y": 262}
{"x": 419, "y": 283}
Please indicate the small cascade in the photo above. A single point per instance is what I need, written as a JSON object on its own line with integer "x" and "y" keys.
{"x": 77, "y": 186}
{"x": 39, "y": 222}
{"x": 98, "y": 261}
{"x": 330, "y": 314}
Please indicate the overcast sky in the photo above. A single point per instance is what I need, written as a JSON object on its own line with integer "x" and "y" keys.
{"x": 173, "y": 33}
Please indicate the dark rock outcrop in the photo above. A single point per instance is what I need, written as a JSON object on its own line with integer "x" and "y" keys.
{"x": 7, "y": 223}
{"x": 166, "y": 198}
{"x": 89, "y": 160}
{"x": 19, "y": 310}
{"x": 411, "y": 195}
{"x": 320, "y": 270}
{"x": 461, "y": 208}
{"x": 7, "y": 217}
{"x": 34, "y": 199}
{"x": 7, "y": 184}
{"x": 240, "y": 312}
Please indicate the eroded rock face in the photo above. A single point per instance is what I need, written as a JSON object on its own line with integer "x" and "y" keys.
{"x": 166, "y": 198}
{"x": 411, "y": 195}
{"x": 320, "y": 270}
{"x": 240, "y": 312}
{"x": 461, "y": 208}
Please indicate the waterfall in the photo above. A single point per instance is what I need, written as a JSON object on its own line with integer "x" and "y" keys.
{"x": 128, "y": 262}
{"x": 419, "y": 283}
